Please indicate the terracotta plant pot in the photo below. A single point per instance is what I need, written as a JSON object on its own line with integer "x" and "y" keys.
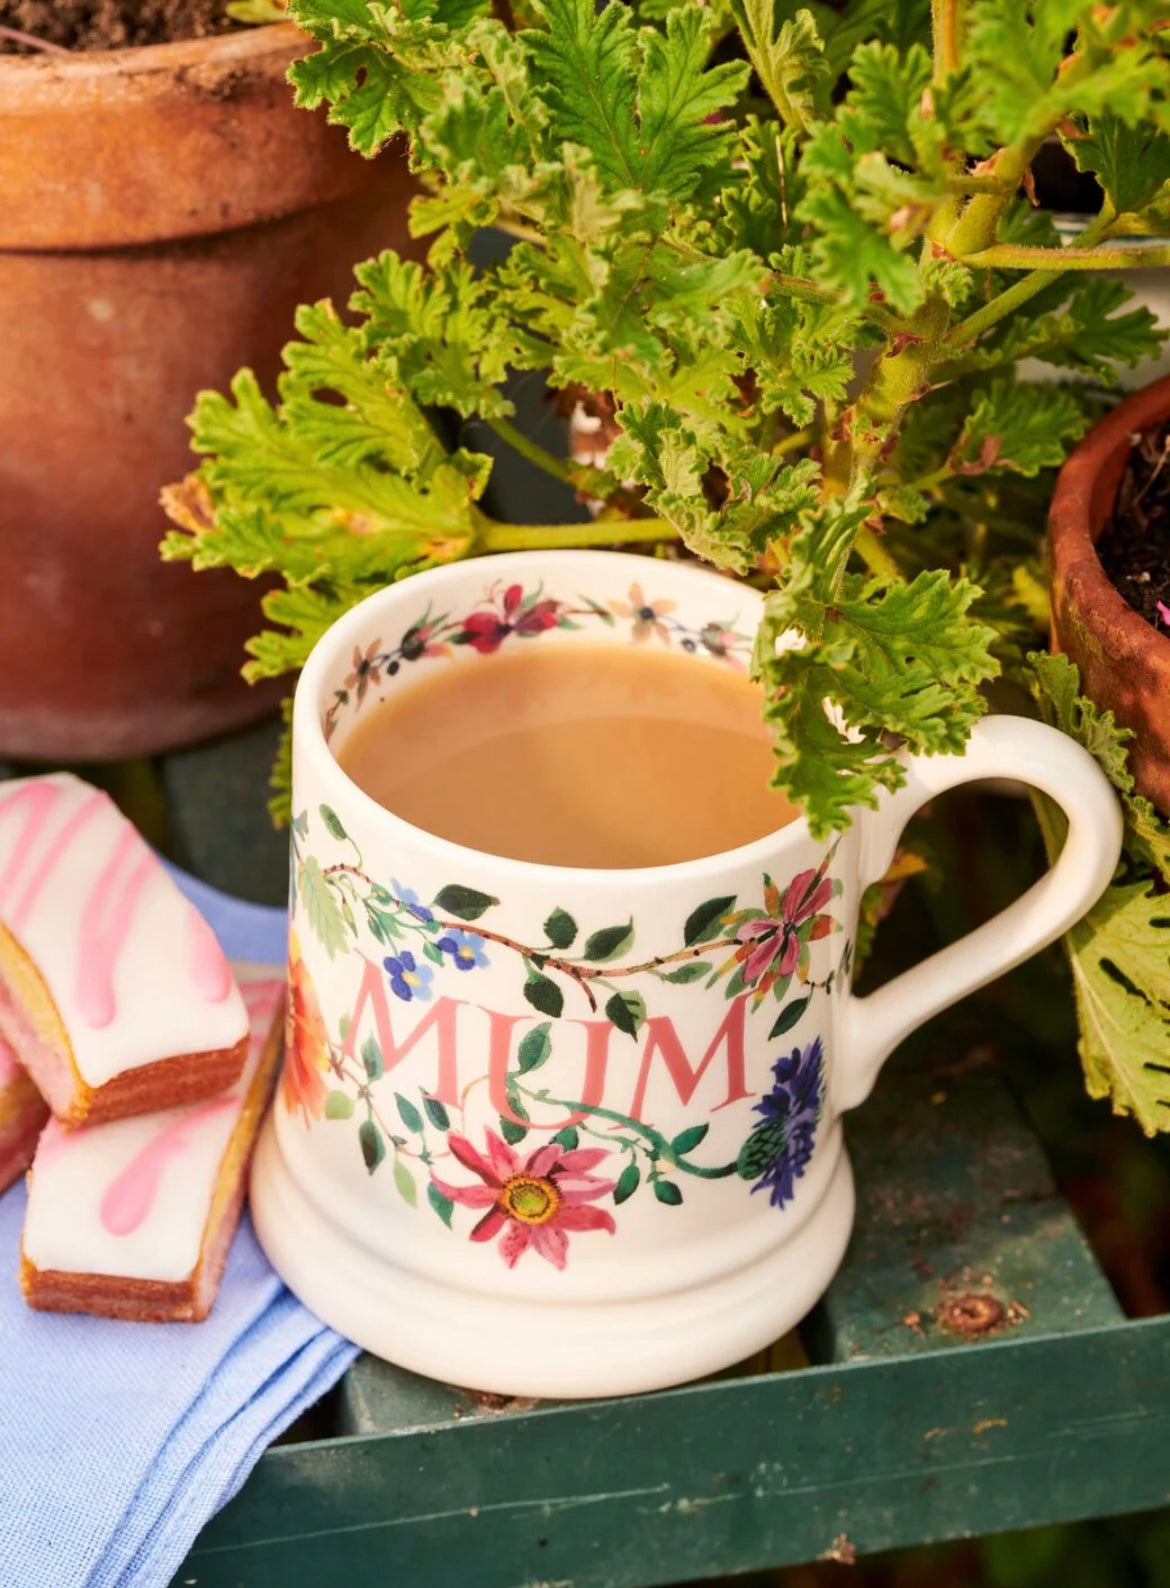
{"x": 164, "y": 210}
{"x": 1124, "y": 661}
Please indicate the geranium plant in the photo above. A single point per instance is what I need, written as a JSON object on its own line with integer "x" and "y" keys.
{"x": 796, "y": 251}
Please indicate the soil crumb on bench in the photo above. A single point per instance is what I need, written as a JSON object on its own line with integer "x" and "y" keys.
{"x": 109, "y": 24}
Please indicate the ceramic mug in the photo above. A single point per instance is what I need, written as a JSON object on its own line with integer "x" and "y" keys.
{"x": 552, "y": 1131}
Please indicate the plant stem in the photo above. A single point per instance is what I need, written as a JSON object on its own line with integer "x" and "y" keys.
{"x": 532, "y": 450}
{"x": 794, "y": 443}
{"x": 877, "y": 559}
{"x": 947, "y": 20}
{"x": 492, "y": 536}
{"x": 1016, "y": 256}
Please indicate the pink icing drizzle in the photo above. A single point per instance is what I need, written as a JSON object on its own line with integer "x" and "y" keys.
{"x": 210, "y": 971}
{"x": 105, "y": 921}
{"x": 129, "y": 1199}
{"x": 41, "y": 799}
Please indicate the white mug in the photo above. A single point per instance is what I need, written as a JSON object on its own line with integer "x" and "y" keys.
{"x": 558, "y": 1132}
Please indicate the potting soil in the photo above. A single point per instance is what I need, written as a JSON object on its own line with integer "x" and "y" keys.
{"x": 1135, "y": 546}
{"x": 110, "y": 24}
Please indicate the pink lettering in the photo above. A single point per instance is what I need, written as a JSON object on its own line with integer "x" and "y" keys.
{"x": 440, "y": 1017}
{"x": 663, "y": 1038}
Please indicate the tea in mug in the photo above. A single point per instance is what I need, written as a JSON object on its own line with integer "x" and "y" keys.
{"x": 574, "y": 755}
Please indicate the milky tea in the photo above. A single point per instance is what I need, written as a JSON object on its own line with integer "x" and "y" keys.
{"x": 576, "y": 755}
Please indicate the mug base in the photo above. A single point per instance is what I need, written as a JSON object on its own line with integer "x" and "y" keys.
{"x": 490, "y": 1344}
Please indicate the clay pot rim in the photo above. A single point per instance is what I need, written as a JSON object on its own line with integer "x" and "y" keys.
{"x": 88, "y": 68}
{"x": 1078, "y": 515}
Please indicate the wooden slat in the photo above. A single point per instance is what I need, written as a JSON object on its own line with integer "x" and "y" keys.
{"x": 724, "y": 1477}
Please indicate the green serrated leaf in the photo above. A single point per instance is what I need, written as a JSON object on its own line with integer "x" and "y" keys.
{"x": 560, "y": 929}
{"x": 467, "y": 903}
{"x": 535, "y": 1048}
{"x": 338, "y": 1105}
{"x": 544, "y": 995}
{"x": 321, "y": 907}
{"x": 609, "y": 942}
{"x": 372, "y": 1145}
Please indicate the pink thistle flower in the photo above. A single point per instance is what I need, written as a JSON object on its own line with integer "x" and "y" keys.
{"x": 538, "y": 1201}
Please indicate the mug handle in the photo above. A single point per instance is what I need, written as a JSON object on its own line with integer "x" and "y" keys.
{"x": 1012, "y": 747}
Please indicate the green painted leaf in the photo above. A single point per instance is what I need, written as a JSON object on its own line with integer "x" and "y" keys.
{"x": 372, "y": 1145}
{"x": 560, "y": 929}
{"x": 628, "y": 1182}
{"x": 338, "y": 1105}
{"x": 568, "y": 1138}
{"x": 627, "y": 1010}
{"x": 408, "y": 1113}
{"x": 442, "y": 1205}
{"x": 704, "y": 921}
{"x": 694, "y": 971}
{"x": 688, "y": 1139}
{"x": 609, "y": 942}
{"x": 432, "y": 952}
{"x": 436, "y": 1112}
{"x": 544, "y": 994}
{"x": 372, "y": 1057}
{"x": 789, "y": 1016}
{"x": 467, "y": 903}
{"x": 666, "y": 1191}
{"x": 404, "y": 1183}
{"x": 321, "y": 907}
{"x": 511, "y": 1131}
{"x": 332, "y": 821}
{"x": 535, "y": 1047}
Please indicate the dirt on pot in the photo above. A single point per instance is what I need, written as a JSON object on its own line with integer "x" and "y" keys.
{"x": 1135, "y": 546}
{"x": 108, "y": 24}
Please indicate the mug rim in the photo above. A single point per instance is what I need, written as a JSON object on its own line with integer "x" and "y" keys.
{"x": 309, "y": 736}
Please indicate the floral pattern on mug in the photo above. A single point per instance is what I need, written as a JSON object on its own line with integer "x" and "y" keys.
{"x": 781, "y": 1143}
{"x": 536, "y": 1202}
{"x": 506, "y": 612}
{"x": 306, "y": 1041}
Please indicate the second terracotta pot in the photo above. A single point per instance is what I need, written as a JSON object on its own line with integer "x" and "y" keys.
{"x": 165, "y": 210}
{"x": 1124, "y": 661}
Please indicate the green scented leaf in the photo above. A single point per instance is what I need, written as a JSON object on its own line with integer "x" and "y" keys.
{"x": 627, "y": 1010}
{"x": 560, "y": 929}
{"x": 338, "y": 1105}
{"x": 609, "y": 942}
{"x": 321, "y": 907}
{"x": 628, "y": 1182}
{"x": 436, "y": 1112}
{"x": 404, "y": 1183}
{"x": 332, "y": 821}
{"x": 666, "y": 1191}
{"x": 408, "y": 1113}
{"x": 694, "y": 971}
{"x": 705, "y": 920}
{"x": 371, "y": 1053}
{"x": 442, "y": 1205}
{"x": 467, "y": 903}
{"x": 688, "y": 1139}
{"x": 535, "y": 1047}
{"x": 789, "y": 1016}
{"x": 372, "y": 1145}
{"x": 544, "y": 995}
{"x": 567, "y": 1138}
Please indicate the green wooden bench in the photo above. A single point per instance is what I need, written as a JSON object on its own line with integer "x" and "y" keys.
{"x": 970, "y": 1370}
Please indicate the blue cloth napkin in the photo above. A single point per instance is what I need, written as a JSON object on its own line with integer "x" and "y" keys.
{"x": 119, "y": 1440}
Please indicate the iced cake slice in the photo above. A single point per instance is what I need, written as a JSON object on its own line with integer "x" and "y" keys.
{"x": 134, "y": 1218}
{"x": 114, "y": 994}
{"x": 22, "y": 1117}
